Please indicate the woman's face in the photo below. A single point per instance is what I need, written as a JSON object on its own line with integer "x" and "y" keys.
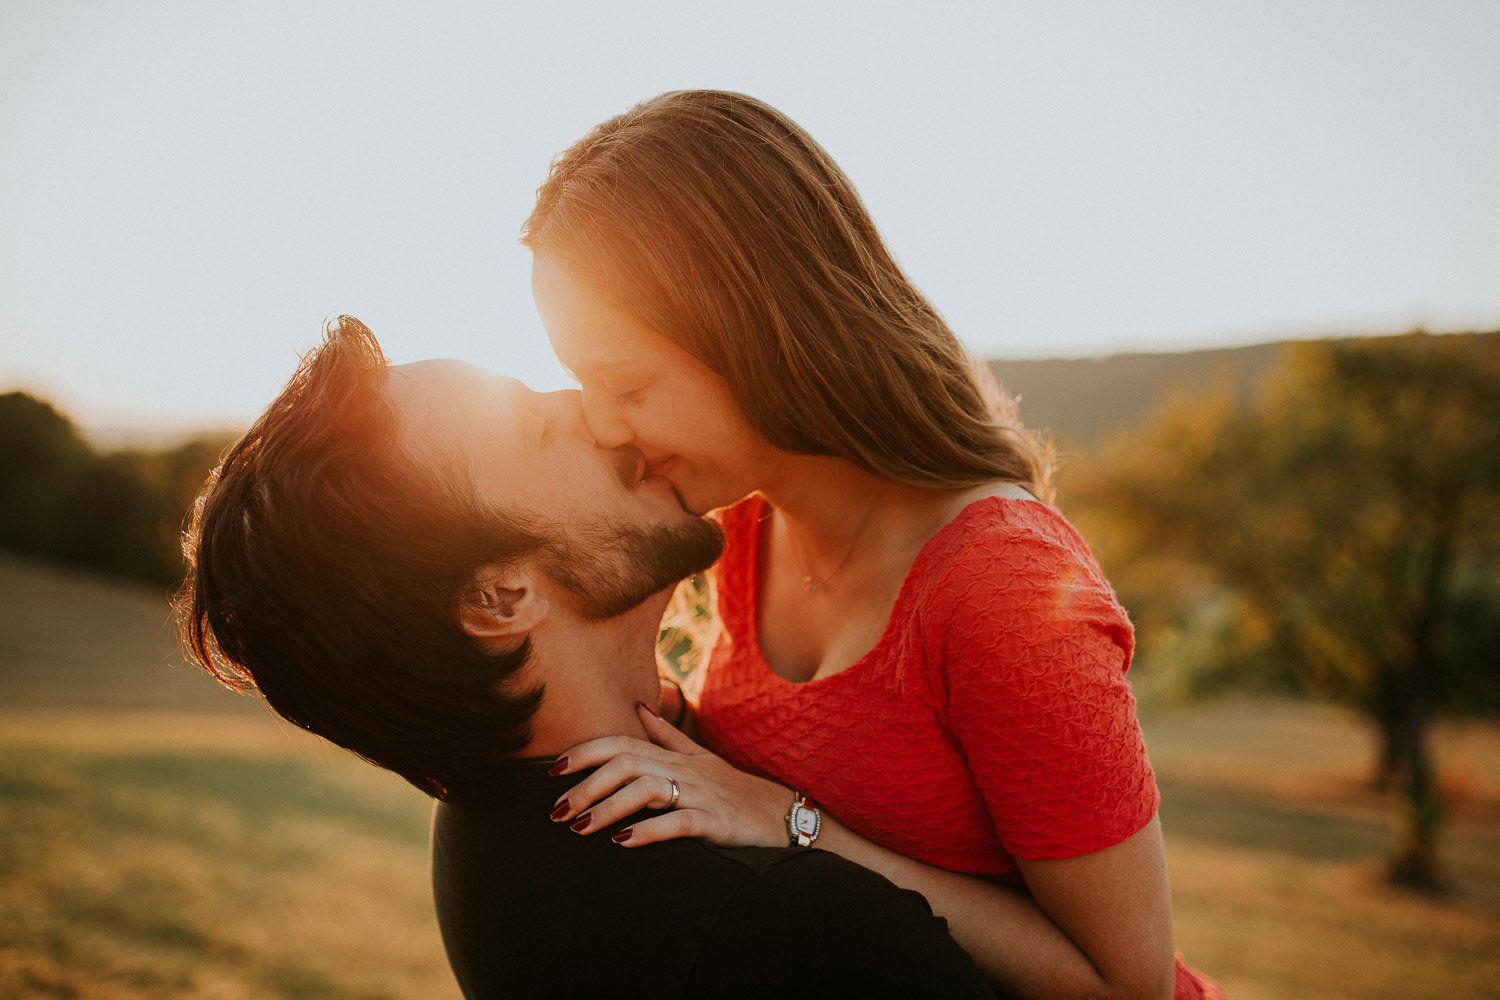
{"x": 641, "y": 389}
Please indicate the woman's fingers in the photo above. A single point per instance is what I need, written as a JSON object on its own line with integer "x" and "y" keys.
{"x": 664, "y": 734}
{"x": 667, "y": 826}
{"x": 595, "y": 752}
{"x": 666, "y": 740}
{"x": 726, "y": 806}
{"x": 612, "y": 776}
{"x": 620, "y": 760}
{"x": 651, "y": 791}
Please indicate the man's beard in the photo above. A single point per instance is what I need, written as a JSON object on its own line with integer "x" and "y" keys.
{"x": 611, "y": 568}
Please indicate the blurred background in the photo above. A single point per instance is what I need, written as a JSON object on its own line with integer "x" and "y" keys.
{"x": 1240, "y": 262}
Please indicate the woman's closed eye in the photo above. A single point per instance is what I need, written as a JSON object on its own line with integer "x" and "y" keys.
{"x": 629, "y": 394}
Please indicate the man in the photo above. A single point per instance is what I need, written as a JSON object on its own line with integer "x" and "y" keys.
{"x": 437, "y": 569}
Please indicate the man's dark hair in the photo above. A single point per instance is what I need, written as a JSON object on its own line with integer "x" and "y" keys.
{"x": 326, "y": 559}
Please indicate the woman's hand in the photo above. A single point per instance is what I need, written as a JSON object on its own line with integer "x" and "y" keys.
{"x": 717, "y": 802}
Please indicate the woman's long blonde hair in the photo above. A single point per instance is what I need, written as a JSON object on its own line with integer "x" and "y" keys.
{"x": 722, "y": 225}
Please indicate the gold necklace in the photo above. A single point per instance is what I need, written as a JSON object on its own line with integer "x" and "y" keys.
{"x": 808, "y": 583}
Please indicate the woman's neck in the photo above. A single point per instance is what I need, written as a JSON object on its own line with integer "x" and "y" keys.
{"x": 830, "y": 512}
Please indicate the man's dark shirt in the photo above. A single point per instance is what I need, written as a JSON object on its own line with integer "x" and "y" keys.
{"x": 528, "y": 908}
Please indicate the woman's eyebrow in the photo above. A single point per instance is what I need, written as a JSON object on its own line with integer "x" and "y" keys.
{"x": 594, "y": 367}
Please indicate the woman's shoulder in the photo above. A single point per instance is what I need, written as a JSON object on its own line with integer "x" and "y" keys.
{"x": 1015, "y": 602}
{"x": 1017, "y": 556}
{"x": 1003, "y": 528}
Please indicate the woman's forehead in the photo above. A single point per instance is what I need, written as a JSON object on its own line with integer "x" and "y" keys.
{"x": 587, "y": 327}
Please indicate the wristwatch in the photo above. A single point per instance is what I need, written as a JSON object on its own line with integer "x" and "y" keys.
{"x": 803, "y": 821}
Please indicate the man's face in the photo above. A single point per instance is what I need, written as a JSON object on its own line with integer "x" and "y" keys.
{"x": 614, "y": 536}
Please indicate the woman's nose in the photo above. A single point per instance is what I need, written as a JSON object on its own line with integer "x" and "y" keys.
{"x": 604, "y": 421}
{"x": 566, "y": 408}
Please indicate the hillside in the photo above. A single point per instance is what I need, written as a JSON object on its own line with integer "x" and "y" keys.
{"x": 1080, "y": 399}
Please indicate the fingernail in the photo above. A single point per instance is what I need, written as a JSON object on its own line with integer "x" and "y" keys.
{"x": 560, "y": 811}
{"x": 578, "y": 824}
{"x": 559, "y": 766}
{"x": 642, "y": 704}
{"x": 622, "y": 836}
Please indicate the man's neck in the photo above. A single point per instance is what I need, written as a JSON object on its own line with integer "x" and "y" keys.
{"x": 594, "y": 673}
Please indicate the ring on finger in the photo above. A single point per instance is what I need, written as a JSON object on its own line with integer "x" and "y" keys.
{"x": 676, "y": 794}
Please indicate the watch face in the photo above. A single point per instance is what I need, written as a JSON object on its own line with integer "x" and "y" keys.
{"x": 805, "y": 820}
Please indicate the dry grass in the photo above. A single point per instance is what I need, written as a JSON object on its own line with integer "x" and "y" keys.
{"x": 184, "y": 844}
{"x": 1275, "y": 843}
{"x": 160, "y": 857}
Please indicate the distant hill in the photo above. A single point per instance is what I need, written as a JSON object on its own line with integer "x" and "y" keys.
{"x": 1079, "y": 400}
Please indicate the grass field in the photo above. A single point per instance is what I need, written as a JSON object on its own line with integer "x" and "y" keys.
{"x": 163, "y": 838}
{"x": 160, "y": 838}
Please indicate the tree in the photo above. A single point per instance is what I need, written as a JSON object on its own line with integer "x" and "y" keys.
{"x": 41, "y": 456}
{"x": 1348, "y": 523}
{"x": 121, "y": 513}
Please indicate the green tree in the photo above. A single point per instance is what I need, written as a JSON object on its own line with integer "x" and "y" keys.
{"x": 121, "y": 513}
{"x": 41, "y": 457}
{"x": 1339, "y": 538}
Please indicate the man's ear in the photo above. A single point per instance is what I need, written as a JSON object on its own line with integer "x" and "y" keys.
{"x": 501, "y": 605}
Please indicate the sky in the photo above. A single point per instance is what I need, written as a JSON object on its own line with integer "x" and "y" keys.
{"x": 187, "y": 190}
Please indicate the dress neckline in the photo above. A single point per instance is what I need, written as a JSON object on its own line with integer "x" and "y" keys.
{"x": 903, "y": 596}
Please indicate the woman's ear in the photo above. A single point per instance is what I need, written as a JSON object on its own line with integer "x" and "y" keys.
{"x": 500, "y": 605}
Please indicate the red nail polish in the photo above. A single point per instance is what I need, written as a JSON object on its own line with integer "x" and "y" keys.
{"x": 622, "y": 836}
{"x": 561, "y": 810}
{"x": 559, "y": 766}
{"x": 578, "y": 824}
{"x": 642, "y": 704}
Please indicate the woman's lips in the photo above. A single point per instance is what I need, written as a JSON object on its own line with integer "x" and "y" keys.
{"x": 630, "y": 466}
{"x": 659, "y": 466}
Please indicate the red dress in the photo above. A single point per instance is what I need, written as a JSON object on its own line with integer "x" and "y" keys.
{"x": 992, "y": 720}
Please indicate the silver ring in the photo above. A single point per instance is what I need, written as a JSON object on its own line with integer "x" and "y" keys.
{"x": 676, "y": 794}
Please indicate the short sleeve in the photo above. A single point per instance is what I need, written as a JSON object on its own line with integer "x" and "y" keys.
{"x": 1034, "y": 652}
{"x": 817, "y": 925}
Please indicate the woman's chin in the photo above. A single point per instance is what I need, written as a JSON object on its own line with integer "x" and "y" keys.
{"x": 660, "y": 492}
{"x": 699, "y": 498}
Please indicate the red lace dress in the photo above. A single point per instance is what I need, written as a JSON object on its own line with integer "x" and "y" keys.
{"x": 992, "y": 720}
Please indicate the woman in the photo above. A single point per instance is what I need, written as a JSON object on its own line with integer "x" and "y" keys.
{"x": 910, "y": 637}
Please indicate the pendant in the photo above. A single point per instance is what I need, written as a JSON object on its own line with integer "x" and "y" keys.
{"x": 808, "y": 585}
